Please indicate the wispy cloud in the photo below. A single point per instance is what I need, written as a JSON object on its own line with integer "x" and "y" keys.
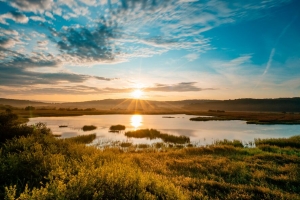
{"x": 179, "y": 87}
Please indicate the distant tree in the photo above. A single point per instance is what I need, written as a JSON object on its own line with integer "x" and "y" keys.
{"x": 29, "y": 108}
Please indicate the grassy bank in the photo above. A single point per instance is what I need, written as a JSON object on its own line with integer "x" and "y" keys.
{"x": 39, "y": 166}
{"x": 250, "y": 117}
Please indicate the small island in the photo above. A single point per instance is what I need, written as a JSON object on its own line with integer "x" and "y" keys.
{"x": 116, "y": 128}
{"x": 89, "y": 127}
{"x": 153, "y": 134}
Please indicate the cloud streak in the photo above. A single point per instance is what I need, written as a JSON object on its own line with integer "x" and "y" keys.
{"x": 179, "y": 87}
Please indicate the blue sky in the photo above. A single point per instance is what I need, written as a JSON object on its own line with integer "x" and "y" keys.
{"x": 78, "y": 50}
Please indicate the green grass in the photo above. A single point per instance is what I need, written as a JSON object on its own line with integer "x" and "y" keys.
{"x": 39, "y": 166}
{"x": 88, "y": 127}
{"x": 153, "y": 134}
{"x": 235, "y": 143}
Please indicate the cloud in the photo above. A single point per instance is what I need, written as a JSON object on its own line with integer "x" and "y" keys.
{"x": 36, "y": 6}
{"x": 83, "y": 45}
{"x": 9, "y": 32}
{"x": 179, "y": 87}
{"x": 15, "y": 16}
{"x": 192, "y": 56}
{"x": 48, "y": 14}
{"x": 6, "y": 43}
{"x": 22, "y": 77}
{"x": 37, "y": 18}
{"x": 70, "y": 90}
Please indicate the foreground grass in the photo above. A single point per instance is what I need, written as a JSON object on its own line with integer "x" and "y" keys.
{"x": 39, "y": 166}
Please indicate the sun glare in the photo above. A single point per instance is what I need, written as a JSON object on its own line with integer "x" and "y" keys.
{"x": 136, "y": 121}
{"x": 137, "y": 93}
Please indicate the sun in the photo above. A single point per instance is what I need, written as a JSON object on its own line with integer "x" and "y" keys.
{"x": 137, "y": 93}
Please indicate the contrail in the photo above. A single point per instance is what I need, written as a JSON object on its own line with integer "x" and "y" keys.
{"x": 277, "y": 40}
{"x": 270, "y": 60}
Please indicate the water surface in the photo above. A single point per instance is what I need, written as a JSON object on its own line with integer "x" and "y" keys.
{"x": 200, "y": 133}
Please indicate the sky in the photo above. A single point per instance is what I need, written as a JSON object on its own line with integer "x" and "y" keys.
{"x": 81, "y": 50}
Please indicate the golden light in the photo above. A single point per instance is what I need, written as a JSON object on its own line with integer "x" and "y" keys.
{"x": 136, "y": 121}
{"x": 137, "y": 93}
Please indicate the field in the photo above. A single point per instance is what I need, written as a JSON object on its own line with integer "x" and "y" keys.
{"x": 36, "y": 165}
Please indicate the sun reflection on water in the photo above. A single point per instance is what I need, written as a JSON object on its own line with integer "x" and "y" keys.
{"x": 136, "y": 121}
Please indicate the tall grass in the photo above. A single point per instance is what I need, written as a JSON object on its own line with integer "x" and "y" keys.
{"x": 280, "y": 142}
{"x": 83, "y": 139}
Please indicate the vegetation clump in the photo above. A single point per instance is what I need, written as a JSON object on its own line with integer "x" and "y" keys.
{"x": 89, "y": 127}
{"x": 117, "y": 128}
{"x": 235, "y": 143}
{"x": 83, "y": 139}
{"x": 293, "y": 142}
{"x": 125, "y": 144}
{"x": 153, "y": 134}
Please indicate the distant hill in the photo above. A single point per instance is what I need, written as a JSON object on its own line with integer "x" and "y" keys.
{"x": 262, "y": 105}
{"x": 21, "y": 103}
{"x": 256, "y": 105}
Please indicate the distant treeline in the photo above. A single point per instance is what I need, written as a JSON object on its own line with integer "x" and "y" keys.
{"x": 257, "y": 105}
{"x": 261, "y": 105}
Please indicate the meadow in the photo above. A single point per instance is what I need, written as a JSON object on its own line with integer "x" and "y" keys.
{"x": 36, "y": 165}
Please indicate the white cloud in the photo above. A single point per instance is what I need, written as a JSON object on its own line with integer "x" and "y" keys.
{"x": 37, "y": 18}
{"x": 7, "y": 43}
{"x": 15, "y": 16}
{"x": 36, "y": 6}
{"x": 191, "y": 57}
{"x": 48, "y": 14}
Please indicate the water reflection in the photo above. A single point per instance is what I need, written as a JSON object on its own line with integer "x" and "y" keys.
{"x": 136, "y": 121}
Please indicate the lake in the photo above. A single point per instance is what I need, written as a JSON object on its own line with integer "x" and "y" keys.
{"x": 200, "y": 133}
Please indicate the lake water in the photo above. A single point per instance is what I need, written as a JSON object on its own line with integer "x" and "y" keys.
{"x": 200, "y": 133}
